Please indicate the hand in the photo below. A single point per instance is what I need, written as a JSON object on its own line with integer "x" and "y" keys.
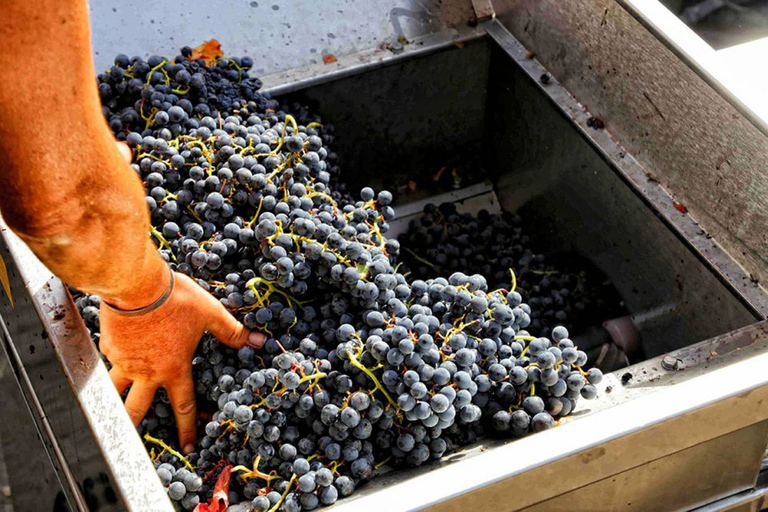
{"x": 156, "y": 349}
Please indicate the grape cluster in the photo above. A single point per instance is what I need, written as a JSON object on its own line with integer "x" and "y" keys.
{"x": 362, "y": 366}
{"x": 560, "y": 287}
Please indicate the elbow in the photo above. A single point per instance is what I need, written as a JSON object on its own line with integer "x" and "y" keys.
{"x": 34, "y": 225}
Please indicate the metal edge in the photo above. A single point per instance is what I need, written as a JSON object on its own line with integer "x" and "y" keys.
{"x": 113, "y": 432}
{"x": 348, "y": 65}
{"x": 683, "y": 225}
{"x": 694, "y": 52}
{"x": 750, "y": 500}
{"x": 42, "y": 425}
{"x": 464, "y": 197}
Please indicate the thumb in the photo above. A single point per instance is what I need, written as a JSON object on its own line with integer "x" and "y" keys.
{"x": 229, "y": 331}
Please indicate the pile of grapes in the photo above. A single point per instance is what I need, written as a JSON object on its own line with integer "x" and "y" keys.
{"x": 560, "y": 286}
{"x": 363, "y": 366}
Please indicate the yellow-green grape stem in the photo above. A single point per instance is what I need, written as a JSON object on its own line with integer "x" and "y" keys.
{"x": 259, "y": 404}
{"x": 255, "y": 472}
{"x": 314, "y": 376}
{"x": 514, "y": 280}
{"x": 418, "y": 258}
{"x": 285, "y": 493}
{"x": 168, "y": 449}
{"x": 293, "y": 123}
{"x": 151, "y": 71}
{"x": 377, "y": 384}
{"x": 151, "y": 119}
{"x": 164, "y": 244}
{"x": 153, "y": 157}
{"x": 238, "y": 68}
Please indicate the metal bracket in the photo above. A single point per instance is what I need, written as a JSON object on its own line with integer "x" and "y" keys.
{"x": 483, "y": 10}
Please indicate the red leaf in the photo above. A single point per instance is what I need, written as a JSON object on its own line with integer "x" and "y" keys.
{"x": 220, "y": 500}
{"x": 209, "y": 51}
{"x": 680, "y": 207}
{"x": 330, "y": 58}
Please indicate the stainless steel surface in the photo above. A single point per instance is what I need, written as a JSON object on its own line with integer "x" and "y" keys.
{"x": 26, "y": 464}
{"x": 278, "y": 34}
{"x": 53, "y": 450}
{"x": 297, "y": 78}
{"x": 752, "y": 500}
{"x": 589, "y": 194}
{"x": 67, "y": 379}
{"x": 6, "y": 498}
{"x": 684, "y": 133}
{"x": 628, "y": 168}
{"x": 646, "y": 488}
{"x": 405, "y": 120}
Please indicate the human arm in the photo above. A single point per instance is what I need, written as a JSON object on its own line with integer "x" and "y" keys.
{"x": 68, "y": 192}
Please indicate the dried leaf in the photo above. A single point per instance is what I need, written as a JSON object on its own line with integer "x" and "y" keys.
{"x": 330, "y": 58}
{"x": 220, "y": 499}
{"x": 5, "y": 281}
{"x": 680, "y": 207}
{"x": 459, "y": 44}
{"x": 209, "y": 51}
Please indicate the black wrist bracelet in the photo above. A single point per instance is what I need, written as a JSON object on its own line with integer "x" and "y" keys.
{"x": 146, "y": 309}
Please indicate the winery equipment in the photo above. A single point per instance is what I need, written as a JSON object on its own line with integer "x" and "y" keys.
{"x": 652, "y": 194}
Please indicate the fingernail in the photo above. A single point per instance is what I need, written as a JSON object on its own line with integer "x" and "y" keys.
{"x": 189, "y": 449}
{"x": 256, "y": 340}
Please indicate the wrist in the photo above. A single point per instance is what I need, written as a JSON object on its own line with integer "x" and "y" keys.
{"x": 148, "y": 286}
{"x": 144, "y": 310}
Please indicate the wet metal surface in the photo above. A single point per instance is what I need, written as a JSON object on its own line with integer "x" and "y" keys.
{"x": 278, "y": 34}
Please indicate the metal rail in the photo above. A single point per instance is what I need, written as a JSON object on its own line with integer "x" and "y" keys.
{"x": 70, "y": 394}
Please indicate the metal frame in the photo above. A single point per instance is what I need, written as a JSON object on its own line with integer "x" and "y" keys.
{"x": 88, "y": 435}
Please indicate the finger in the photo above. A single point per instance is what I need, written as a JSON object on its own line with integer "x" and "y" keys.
{"x": 119, "y": 379}
{"x": 182, "y": 395}
{"x": 231, "y": 332}
{"x": 125, "y": 151}
{"x": 139, "y": 399}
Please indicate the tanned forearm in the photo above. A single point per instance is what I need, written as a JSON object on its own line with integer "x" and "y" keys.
{"x": 65, "y": 188}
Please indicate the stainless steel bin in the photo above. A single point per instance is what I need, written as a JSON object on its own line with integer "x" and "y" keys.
{"x": 656, "y": 438}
